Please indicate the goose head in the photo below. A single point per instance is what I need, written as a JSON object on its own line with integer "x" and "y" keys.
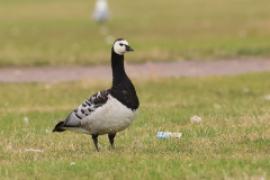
{"x": 120, "y": 46}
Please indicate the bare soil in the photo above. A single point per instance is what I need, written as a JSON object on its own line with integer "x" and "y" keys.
{"x": 136, "y": 71}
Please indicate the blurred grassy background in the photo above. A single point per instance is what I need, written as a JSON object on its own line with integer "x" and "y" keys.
{"x": 61, "y": 32}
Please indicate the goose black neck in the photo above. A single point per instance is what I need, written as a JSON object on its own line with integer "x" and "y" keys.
{"x": 118, "y": 69}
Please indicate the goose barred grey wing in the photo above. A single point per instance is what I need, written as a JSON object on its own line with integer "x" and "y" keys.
{"x": 89, "y": 105}
{"x": 85, "y": 109}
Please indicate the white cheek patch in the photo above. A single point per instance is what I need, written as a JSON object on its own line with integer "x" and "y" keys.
{"x": 120, "y": 49}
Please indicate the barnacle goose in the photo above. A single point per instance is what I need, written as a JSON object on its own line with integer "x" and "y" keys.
{"x": 108, "y": 111}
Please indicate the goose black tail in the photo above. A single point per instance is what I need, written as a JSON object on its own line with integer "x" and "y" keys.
{"x": 59, "y": 127}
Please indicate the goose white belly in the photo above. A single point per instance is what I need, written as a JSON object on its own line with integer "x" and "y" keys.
{"x": 113, "y": 116}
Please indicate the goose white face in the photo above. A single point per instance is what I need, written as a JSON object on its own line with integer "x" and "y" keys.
{"x": 121, "y": 47}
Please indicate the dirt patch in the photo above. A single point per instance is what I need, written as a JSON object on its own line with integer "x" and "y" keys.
{"x": 148, "y": 70}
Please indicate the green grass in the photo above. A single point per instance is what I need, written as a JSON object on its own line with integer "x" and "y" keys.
{"x": 232, "y": 142}
{"x": 60, "y": 32}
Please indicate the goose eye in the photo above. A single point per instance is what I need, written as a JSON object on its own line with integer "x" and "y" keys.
{"x": 121, "y": 44}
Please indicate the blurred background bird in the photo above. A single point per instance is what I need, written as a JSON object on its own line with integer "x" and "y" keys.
{"x": 101, "y": 11}
{"x": 101, "y": 15}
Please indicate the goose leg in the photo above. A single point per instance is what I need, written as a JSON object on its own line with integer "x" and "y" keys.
{"x": 111, "y": 137}
{"x": 95, "y": 140}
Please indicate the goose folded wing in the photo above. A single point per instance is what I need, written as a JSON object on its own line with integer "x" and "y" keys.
{"x": 86, "y": 108}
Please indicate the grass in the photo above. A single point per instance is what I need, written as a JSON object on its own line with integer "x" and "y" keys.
{"x": 232, "y": 142}
{"x": 60, "y": 32}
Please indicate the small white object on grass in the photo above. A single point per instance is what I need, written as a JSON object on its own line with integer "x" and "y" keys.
{"x": 195, "y": 119}
{"x": 167, "y": 134}
{"x": 26, "y": 120}
{"x": 47, "y": 131}
{"x": 72, "y": 163}
{"x": 34, "y": 150}
{"x": 267, "y": 97}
